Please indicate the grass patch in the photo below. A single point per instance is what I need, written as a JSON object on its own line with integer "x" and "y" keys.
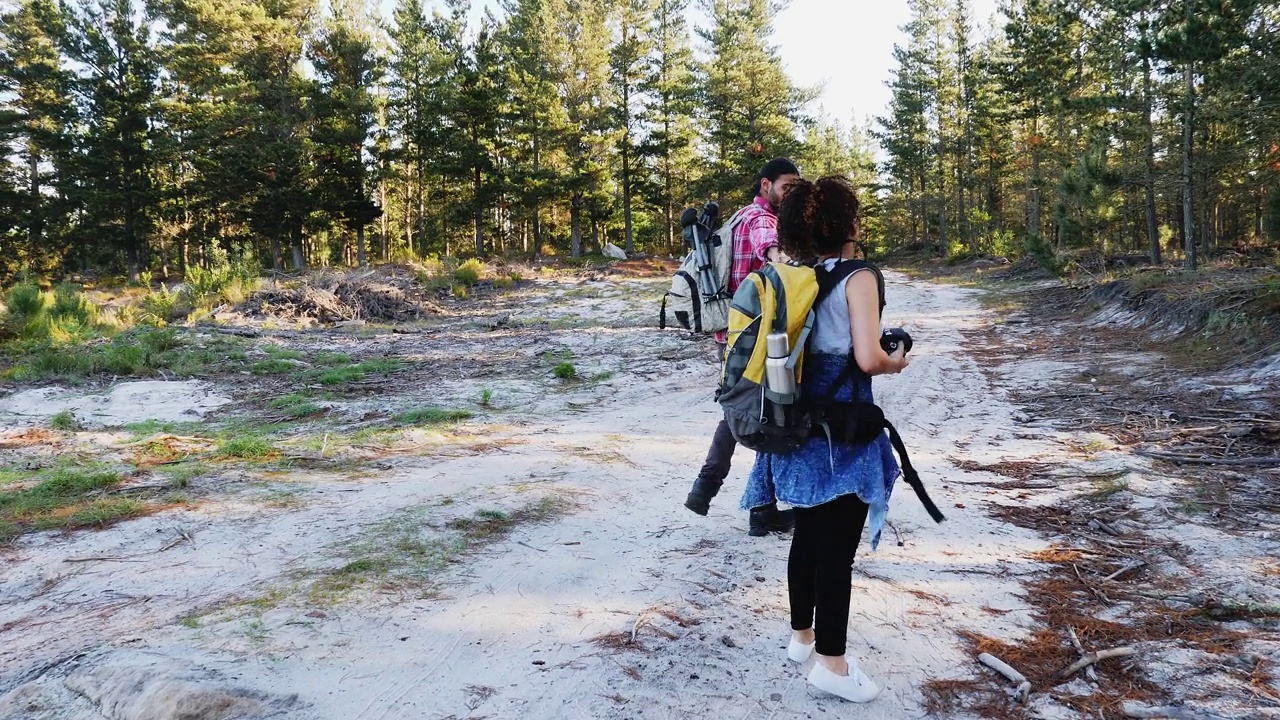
{"x": 64, "y": 420}
{"x": 180, "y": 475}
{"x": 297, "y": 405}
{"x": 342, "y": 375}
{"x": 246, "y": 447}
{"x": 191, "y": 621}
{"x": 432, "y": 416}
{"x": 283, "y": 353}
{"x": 403, "y": 555}
{"x": 65, "y": 497}
{"x": 565, "y": 371}
{"x": 142, "y": 351}
{"x": 486, "y": 397}
{"x": 273, "y": 366}
{"x": 147, "y": 428}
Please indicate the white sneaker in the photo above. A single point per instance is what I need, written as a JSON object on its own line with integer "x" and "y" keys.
{"x": 855, "y": 687}
{"x": 798, "y": 651}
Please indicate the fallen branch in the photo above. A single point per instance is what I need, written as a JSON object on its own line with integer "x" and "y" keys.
{"x": 1023, "y": 692}
{"x": 1136, "y": 710}
{"x": 1090, "y": 659}
{"x": 1131, "y": 566}
{"x": 1075, "y": 641}
{"x": 1269, "y": 461}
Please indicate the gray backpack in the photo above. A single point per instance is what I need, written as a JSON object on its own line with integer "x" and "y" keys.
{"x": 699, "y": 297}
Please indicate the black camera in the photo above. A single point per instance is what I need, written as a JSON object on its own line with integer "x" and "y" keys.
{"x": 893, "y": 338}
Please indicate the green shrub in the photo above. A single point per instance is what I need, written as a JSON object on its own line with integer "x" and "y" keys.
{"x": 69, "y": 303}
{"x": 469, "y": 272}
{"x": 1044, "y": 254}
{"x": 123, "y": 358}
{"x": 25, "y": 300}
{"x": 160, "y": 306}
{"x": 461, "y": 292}
{"x": 566, "y": 371}
{"x": 160, "y": 340}
{"x": 222, "y": 281}
{"x": 486, "y": 397}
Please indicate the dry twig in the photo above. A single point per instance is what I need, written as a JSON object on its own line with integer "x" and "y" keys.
{"x": 1023, "y": 692}
{"x": 1090, "y": 659}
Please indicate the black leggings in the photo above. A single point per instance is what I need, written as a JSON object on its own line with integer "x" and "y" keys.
{"x": 820, "y": 569}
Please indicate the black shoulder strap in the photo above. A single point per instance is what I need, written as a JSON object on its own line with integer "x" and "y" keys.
{"x": 829, "y": 280}
{"x": 911, "y": 476}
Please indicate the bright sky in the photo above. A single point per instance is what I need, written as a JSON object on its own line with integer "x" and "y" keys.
{"x": 846, "y": 46}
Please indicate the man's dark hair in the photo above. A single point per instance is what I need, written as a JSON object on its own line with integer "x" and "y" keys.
{"x": 775, "y": 169}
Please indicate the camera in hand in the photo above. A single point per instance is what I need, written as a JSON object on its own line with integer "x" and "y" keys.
{"x": 893, "y": 338}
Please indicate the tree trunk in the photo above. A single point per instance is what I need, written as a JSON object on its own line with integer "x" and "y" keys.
{"x": 911, "y": 207}
{"x": 299, "y": 257}
{"x": 944, "y": 247}
{"x": 537, "y": 210}
{"x": 1148, "y": 179}
{"x": 384, "y": 221}
{"x": 275, "y": 252}
{"x": 1033, "y": 187}
{"x": 575, "y": 225}
{"x": 35, "y": 226}
{"x": 1188, "y": 217}
{"x": 479, "y": 211}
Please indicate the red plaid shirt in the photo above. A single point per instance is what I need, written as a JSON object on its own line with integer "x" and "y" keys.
{"x": 752, "y": 238}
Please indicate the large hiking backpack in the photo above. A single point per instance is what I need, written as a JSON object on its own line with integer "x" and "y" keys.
{"x": 699, "y": 297}
{"x": 780, "y": 298}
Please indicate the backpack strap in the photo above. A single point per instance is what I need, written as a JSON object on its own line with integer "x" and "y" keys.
{"x": 829, "y": 280}
{"x": 910, "y": 475}
{"x": 731, "y": 224}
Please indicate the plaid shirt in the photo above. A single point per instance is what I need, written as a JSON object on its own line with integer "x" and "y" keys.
{"x": 752, "y": 238}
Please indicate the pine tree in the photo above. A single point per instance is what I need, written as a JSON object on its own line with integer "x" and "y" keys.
{"x": 588, "y": 101}
{"x": 117, "y": 93}
{"x": 482, "y": 107}
{"x": 904, "y": 133}
{"x": 1195, "y": 36}
{"x": 672, "y": 89}
{"x": 37, "y": 115}
{"x": 629, "y": 60}
{"x": 539, "y": 64}
{"x": 752, "y": 109}
{"x": 347, "y": 71}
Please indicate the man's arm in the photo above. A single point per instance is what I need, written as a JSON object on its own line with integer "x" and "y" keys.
{"x": 762, "y": 232}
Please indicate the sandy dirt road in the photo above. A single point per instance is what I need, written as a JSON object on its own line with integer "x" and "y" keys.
{"x": 538, "y": 623}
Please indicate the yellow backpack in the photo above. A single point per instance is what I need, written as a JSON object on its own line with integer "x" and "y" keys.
{"x": 774, "y": 301}
{"x": 760, "y": 389}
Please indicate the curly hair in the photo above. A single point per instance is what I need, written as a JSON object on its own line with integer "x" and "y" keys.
{"x": 817, "y": 218}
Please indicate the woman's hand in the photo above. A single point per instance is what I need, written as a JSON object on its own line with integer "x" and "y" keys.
{"x": 863, "y": 294}
{"x": 899, "y": 356}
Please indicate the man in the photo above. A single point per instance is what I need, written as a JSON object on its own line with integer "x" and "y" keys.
{"x": 755, "y": 242}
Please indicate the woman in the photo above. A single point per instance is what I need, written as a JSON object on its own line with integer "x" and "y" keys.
{"x": 832, "y": 485}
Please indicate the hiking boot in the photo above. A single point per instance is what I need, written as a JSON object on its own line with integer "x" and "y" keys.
{"x": 699, "y": 499}
{"x": 765, "y": 520}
